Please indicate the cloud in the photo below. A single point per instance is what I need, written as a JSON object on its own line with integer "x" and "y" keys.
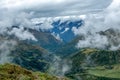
{"x": 93, "y": 41}
{"x": 11, "y": 18}
{"x": 107, "y": 22}
{"x": 22, "y": 34}
{"x": 57, "y": 36}
{"x": 46, "y": 26}
{"x": 20, "y": 12}
{"x": 6, "y": 46}
{"x": 42, "y": 23}
{"x": 51, "y": 7}
{"x": 59, "y": 67}
{"x": 66, "y": 29}
{"x": 46, "y": 23}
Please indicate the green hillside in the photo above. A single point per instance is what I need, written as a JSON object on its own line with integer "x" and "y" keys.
{"x": 68, "y": 48}
{"x": 30, "y": 56}
{"x": 94, "y": 64}
{"x": 14, "y": 72}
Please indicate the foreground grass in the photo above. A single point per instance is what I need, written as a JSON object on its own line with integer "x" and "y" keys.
{"x": 14, "y": 72}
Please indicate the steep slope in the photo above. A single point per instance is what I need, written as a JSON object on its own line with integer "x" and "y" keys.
{"x": 45, "y": 40}
{"x": 64, "y": 28}
{"x": 30, "y": 57}
{"x": 68, "y": 48}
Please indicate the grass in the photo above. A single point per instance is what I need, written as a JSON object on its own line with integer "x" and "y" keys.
{"x": 108, "y": 73}
{"x": 88, "y": 51}
{"x": 15, "y": 72}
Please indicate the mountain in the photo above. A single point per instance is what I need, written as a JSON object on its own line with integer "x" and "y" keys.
{"x": 113, "y": 36}
{"x": 69, "y": 48}
{"x": 59, "y": 27}
{"x": 45, "y": 40}
{"x": 30, "y": 56}
{"x": 88, "y": 64}
{"x": 54, "y": 33}
{"x": 64, "y": 29}
{"x": 54, "y": 52}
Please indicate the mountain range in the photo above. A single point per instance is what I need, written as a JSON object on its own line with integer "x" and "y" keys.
{"x": 54, "y": 52}
{"x": 59, "y": 27}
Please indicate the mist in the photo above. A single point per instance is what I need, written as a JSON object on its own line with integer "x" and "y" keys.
{"x": 6, "y": 46}
{"x": 59, "y": 66}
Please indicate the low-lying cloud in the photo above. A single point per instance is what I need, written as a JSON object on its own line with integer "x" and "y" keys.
{"x": 101, "y": 30}
{"x": 6, "y": 46}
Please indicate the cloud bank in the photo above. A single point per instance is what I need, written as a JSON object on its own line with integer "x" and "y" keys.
{"x": 55, "y": 7}
{"x": 101, "y": 30}
{"x": 20, "y": 12}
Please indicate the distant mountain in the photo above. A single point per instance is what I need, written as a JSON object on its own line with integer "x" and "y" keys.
{"x": 54, "y": 33}
{"x": 69, "y": 48}
{"x": 45, "y": 40}
{"x": 59, "y": 27}
{"x": 64, "y": 29}
{"x": 113, "y": 36}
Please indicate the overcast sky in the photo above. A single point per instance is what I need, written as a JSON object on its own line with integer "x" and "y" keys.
{"x": 55, "y": 7}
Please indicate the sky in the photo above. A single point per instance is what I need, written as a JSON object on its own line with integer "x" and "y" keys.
{"x": 48, "y": 8}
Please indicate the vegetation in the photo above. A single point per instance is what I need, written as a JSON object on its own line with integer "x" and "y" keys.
{"x": 108, "y": 73}
{"x": 94, "y": 64}
{"x": 30, "y": 56}
{"x": 14, "y": 72}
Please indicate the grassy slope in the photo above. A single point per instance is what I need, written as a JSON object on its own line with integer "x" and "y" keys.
{"x": 14, "y": 72}
{"x": 108, "y": 73}
{"x": 105, "y": 66}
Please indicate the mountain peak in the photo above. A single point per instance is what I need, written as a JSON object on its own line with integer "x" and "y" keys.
{"x": 60, "y": 27}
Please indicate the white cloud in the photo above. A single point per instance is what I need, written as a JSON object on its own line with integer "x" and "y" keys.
{"x": 6, "y": 46}
{"x": 19, "y": 12}
{"x": 94, "y": 41}
{"x": 50, "y": 7}
{"x": 66, "y": 29}
{"x": 95, "y": 23}
{"x": 11, "y": 18}
{"x": 22, "y": 34}
{"x": 42, "y": 23}
{"x": 46, "y": 26}
{"x": 57, "y": 36}
{"x": 83, "y": 17}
